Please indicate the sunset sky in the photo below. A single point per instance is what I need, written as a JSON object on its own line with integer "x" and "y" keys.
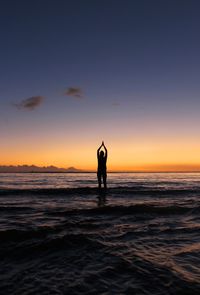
{"x": 76, "y": 72}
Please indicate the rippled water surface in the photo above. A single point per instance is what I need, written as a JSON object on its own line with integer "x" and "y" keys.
{"x": 76, "y": 180}
{"x": 59, "y": 235}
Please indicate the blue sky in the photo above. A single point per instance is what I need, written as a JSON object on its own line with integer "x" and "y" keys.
{"x": 136, "y": 62}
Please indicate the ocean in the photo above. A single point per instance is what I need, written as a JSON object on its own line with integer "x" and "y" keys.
{"x": 60, "y": 235}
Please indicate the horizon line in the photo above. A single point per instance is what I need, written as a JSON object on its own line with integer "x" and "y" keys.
{"x": 156, "y": 168}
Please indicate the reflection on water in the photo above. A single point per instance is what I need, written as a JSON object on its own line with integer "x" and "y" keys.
{"x": 101, "y": 199}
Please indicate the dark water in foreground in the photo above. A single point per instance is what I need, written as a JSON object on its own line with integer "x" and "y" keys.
{"x": 143, "y": 237}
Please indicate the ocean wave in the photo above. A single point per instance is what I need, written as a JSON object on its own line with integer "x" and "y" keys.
{"x": 16, "y": 235}
{"x": 91, "y": 190}
{"x": 16, "y": 209}
{"x": 19, "y": 243}
{"x": 81, "y": 263}
{"x": 103, "y": 260}
{"x": 130, "y": 210}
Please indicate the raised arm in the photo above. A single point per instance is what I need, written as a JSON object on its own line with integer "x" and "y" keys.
{"x": 99, "y": 150}
{"x": 106, "y": 152}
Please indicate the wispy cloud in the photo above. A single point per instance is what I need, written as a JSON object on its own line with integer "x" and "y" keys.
{"x": 74, "y": 92}
{"x": 115, "y": 104}
{"x": 30, "y": 103}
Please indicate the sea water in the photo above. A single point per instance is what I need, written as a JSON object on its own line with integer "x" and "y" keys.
{"x": 60, "y": 235}
{"x": 76, "y": 180}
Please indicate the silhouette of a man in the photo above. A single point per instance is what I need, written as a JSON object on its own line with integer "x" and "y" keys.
{"x": 101, "y": 171}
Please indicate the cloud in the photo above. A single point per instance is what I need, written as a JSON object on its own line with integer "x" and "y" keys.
{"x": 30, "y": 103}
{"x": 74, "y": 92}
{"x": 115, "y": 104}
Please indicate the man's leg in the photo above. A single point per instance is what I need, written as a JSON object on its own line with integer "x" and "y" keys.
{"x": 99, "y": 179}
{"x": 104, "y": 180}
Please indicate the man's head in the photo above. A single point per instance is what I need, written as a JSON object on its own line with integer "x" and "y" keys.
{"x": 101, "y": 154}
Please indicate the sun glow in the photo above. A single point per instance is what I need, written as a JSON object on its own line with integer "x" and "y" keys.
{"x": 145, "y": 156}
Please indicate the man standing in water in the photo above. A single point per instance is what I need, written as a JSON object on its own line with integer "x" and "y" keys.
{"x": 101, "y": 171}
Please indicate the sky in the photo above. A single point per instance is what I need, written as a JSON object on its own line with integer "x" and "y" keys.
{"x": 74, "y": 73}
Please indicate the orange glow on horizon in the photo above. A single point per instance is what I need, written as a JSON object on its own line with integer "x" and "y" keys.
{"x": 146, "y": 156}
